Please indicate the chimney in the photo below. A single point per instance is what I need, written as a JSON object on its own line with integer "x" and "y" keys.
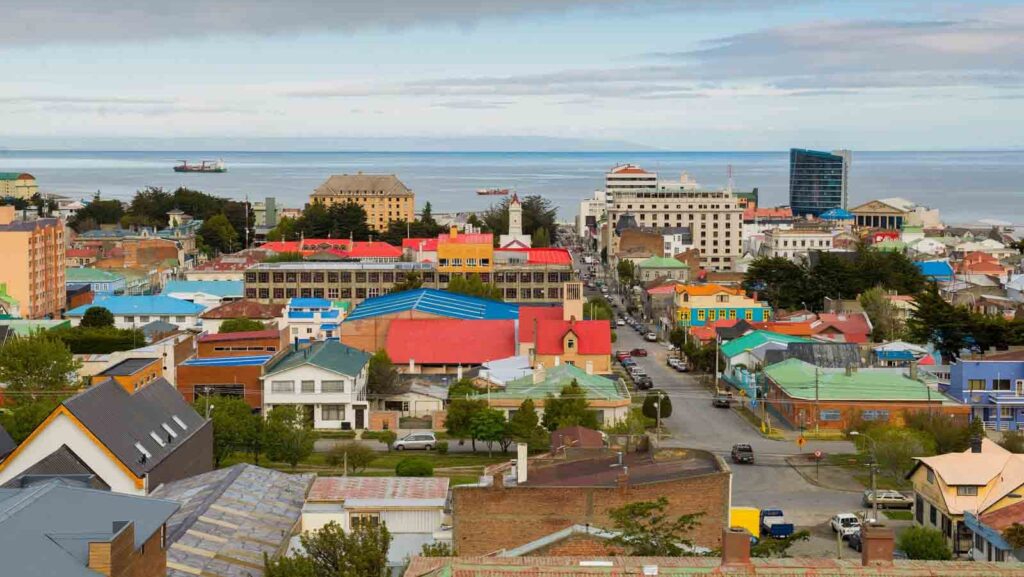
{"x": 458, "y": 373}
{"x": 735, "y": 548}
{"x": 622, "y": 481}
{"x": 590, "y": 367}
{"x": 913, "y": 370}
{"x": 453, "y": 232}
{"x": 412, "y": 365}
{"x": 522, "y": 456}
{"x": 498, "y": 481}
{"x": 538, "y": 374}
{"x": 558, "y": 360}
{"x": 877, "y": 544}
{"x": 976, "y": 444}
{"x": 113, "y": 557}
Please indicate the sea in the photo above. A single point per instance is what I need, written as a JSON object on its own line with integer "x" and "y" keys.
{"x": 967, "y": 187}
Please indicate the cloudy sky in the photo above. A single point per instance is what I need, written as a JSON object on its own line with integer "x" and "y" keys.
{"x": 673, "y": 74}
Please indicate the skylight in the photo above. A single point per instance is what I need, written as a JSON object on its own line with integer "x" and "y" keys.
{"x": 169, "y": 430}
{"x": 180, "y": 423}
{"x": 157, "y": 438}
{"x": 143, "y": 450}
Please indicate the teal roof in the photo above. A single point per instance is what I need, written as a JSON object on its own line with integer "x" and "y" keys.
{"x": 219, "y": 288}
{"x": 12, "y": 175}
{"x": 662, "y": 262}
{"x": 558, "y": 377}
{"x": 330, "y": 355}
{"x": 754, "y": 339}
{"x": 90, "y": 275}
{"x": 23, "y": 327}
{"x": 141, "y": 305}
{"x": 797, "y": 379}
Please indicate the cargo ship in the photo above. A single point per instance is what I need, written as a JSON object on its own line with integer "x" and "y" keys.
{"x": 204, "y": 166}
{"x": 492, "y": 191}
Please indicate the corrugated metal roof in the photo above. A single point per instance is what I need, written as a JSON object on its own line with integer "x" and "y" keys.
{"x": 438, "y": 302}
{"x": 450, "y": 341}
{"x": 141, "y": 305}
{"x": 378, "y": 488}
{"x": 220, "y": 288}
{"x": 802, "y": 380}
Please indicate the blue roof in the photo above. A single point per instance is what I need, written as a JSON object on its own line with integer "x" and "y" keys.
{"x": 329, "y": 327}
{"x": 308, "y": 303}
{"x": 836, "y": 214}
{"x": 220, "y": 288}
{"x": 300, "y": 314}
{"x": 437, "y": 302}
{"x": 141, "y": 305}
{"x": 936, "y": 269}
{"x": 895, "y": 355}
{"x": 246, "y": 361}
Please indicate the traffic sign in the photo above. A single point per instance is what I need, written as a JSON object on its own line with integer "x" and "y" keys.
{"x": 801, "y": 441}
{"x": 817, "y": 454}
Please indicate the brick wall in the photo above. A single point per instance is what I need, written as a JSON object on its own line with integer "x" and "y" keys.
{"x": 487, "y": 518}
{"x": 438, "y": 420}
{"x": 371, "y": 334}
{"x": 191, "y": 377}
{"x": 580, "y": 546}
{"x": 378, "y": 420}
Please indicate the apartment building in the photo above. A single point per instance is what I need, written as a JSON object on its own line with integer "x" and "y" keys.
{"x": 18, "y": 185}
{"x": 384, "y": 198}
{"x": 795, "y": 243}
{"x": 628, "y": 177}
{"x": 356, "y": 281}
{"x": 32, "y": 261}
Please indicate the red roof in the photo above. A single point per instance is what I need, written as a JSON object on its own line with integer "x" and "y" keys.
{"x": 450, "y": 341}
{"x": 753, "y": 212}
{"x": 926, "y": 361}
{"x": 665, "y": 289}
{"x": 374, "y": 249}
{"x": 342, "y": 488}
{"x": 628, "y": 169}
{"x": 241, "y": 336}
{"x": 527, "y": 315}
{"x": 593, "y": 337}
{"x": 243, "y": 309}
{"x": 307, "y": 246}
{"x": 855, "y": 327}
{"x": 429, "y": 244}
{"x": 544, "y": 255}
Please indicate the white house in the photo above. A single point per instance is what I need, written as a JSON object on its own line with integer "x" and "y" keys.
{"x": 313, "y": 319}
{"x": 326, "y": 379}
{"x": 209, "y": 293}
{"x": 412, "y": 508}
{"x": 131, "y": 312}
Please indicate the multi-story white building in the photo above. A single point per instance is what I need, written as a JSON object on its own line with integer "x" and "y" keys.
{"x": 794, "y": 244}
{"x": 592, "y": 209}
{"x": 629, "y": 177}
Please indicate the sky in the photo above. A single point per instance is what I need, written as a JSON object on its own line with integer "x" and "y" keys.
{"x": 667, "y": 74}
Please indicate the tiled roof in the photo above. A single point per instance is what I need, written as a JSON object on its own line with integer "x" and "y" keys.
{"x": 239, "y": 336}
{"x": 330, "y": 355}
{"x": 801, "y": 380}
{"x": 437, "y": 302}
{"x": 628, "y": 169}
{"x": 557, "y": 378}
{"x": 855, "y": 327}
{"x": 993, "y": 465}
{"x": 244, "y": 308}
{"x": 141, "y": 305}
{"x": 1001, "y": 519}
{"x": 528, "y": 315}
{"x": 450, "y": 341}
{"x": 753, "y": 212}
{"x": 345, "y": 488}
{"x": 344, "y": 184}
{"x": 219, "y": 288}
{"x": 593, "y": 337}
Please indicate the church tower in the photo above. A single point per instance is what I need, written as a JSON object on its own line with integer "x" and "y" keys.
{"x": 515, "y": 237}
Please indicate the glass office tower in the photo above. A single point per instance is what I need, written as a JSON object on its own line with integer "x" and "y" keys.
{"x": 817, "y": 180}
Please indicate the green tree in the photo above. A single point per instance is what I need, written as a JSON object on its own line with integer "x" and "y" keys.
{"x": 315, "y": 222}
{"x": 778, "y": 547}
{"x": 235, "y": 426}
{"x": 83, "y": 340}
{"x": 218, "y": 234}
{"x": 472, "y": 285}
{"x": 388, "y": 438}
{"x": 540, "y": 238}
{"x": 414, "y": 467}
{"x": 635, "y": 423}
{"x": 569, "y": 409}
{"x": 349, "y": 221}
{"x": 149, "y": 207}
{"x": 677, "y": 337}
{"x": 410, "y": 281}
{"x": 241, "y": 325}
{"x": 487, "y": 425}
{"x": 935, "y": 320}
{"x": 25, "y": 415}
{"x": 285, "y": 229}
{"x": 462, "y": 388}
{"x": 97, "y": 317}
{"x": 382, "y": 378}
{"x": 288, "y": 435}
{"x": 949, "y": 436}
{"x": 97, "y": 212}
{"x": 924, "y": 543}
{"x": 427, "y": 216}
{"x": 598, "y": 309}
{"x": 285, "y": 257}
{"x": 437, "y": 549}
{"x": 645, "y": 529}
{"x": 1014, "y": 535}
{"x": 355, "y": 456}
{"x": 524, "y": 426}
{"x": 538, "y": 213}
{"x": 331, "y": 552}
{"x": 460, "y": 416}
{"x": 36, "y": 365}
{"x": 627, "y": 271}
{"x": 882, "y": 313}
{"x": 663, "y": 402}
{"x": 896, "y": 448}
{"x": 778, "y": 280}
{"x": 1012, "y": 441}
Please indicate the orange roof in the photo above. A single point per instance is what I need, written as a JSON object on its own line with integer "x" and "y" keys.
{"x": 628, "y": 169}
{"x": 753, "y": 212}
{"x": 706, "y": 289}
{"x": 803, "y": 329}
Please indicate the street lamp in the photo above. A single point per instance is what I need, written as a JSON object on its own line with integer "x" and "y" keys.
{"x": 874, "y": 466}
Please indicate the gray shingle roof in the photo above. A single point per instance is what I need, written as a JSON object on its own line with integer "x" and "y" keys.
{"x": 62, "y": 463}
{"x": 7, "y": 444}
{"x": 362, "y": 184}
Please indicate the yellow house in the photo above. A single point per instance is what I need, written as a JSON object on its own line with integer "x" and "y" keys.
{"x": 983, "y": 479}
{"x": 32, "y": 257}
{"x": 18, "y": 185}
{"x": 699, "y": 305}
{"x": 465, "y": 253}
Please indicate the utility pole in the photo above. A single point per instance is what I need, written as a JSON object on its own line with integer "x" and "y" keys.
{"x": 817, "y": 412}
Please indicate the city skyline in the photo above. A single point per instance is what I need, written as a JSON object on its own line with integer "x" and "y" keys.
{"x": 741, "y": 76}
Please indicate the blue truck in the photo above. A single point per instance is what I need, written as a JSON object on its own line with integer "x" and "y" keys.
{"x": 774, "y": 524}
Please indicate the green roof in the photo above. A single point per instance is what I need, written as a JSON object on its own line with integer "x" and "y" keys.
{"x": 662, "y": 262}
{"x": 330, "y": 355}
{"x": 890, "y": 245}
{"x": 558, "y": 377}
{"x": 754, "y": 339}
{"x": 23, "y": 327}
{"x": 797, "y": 379}
{"x": 90, "y": 275}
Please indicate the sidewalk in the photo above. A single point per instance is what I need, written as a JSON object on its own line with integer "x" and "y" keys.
{"x": 824, "y": 475}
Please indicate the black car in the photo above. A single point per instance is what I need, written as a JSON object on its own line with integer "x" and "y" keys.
{"x": 644, "y": 383}
{"x": 853, "y": 540}
{"x": 742, "y": 453}
{"x": 720, "y": 401}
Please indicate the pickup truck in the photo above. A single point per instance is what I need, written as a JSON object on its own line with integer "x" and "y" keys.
{"x": 774, "y": 524}
{"x": 845, "y": 524}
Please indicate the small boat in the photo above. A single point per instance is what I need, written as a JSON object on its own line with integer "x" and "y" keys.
{"x": 204, "y": 166}
{"x": 492, "y": 191}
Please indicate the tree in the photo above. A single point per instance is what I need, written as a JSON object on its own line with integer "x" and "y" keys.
{"x": 437, "y": 549}
{"x": 348, "y": 221}
{"x": 288, "y": 436}
{"x": 330, "y": 552}
{"x": 388, "y": 438}
{"x": 36, "y": 365}
{"x": 540, "y": 238}
{"x": 1012, "y": 441}
{"x": 235, "y": 426}
{"x": 949, "y": 436}
{"x": 474, "y": 286}
{"x": 382, "y": 378}
{"x": 97, "y": 212}
{"x": 882, "y": 313}
{"x": 487, "y": 425}
{"x": 83, "y": 340}
{"x": 626, "y": 270}
{"x": 598, "y": 309}
{"x": 218, "y": 234}
{"x": 524, "y": 426}
{"x": 241, "y": 325}
{"x": 460, "y": 416}
{"x": 315, "y": 222}
{"x": 1014, "y": 535}
{"x": 664, "y": 405}
{"x": 935, "y": 320}
{"x": 285, "y": 257}
{"x": 410, "y": 281}
{"x": 569, "y": 409}
{"x": 924, "y": 543}
{"x": 149, "y": 207}
{"x": 285, "y": 229}
{"x": 355, "y": 456}
{"x": 645, "y": 529}
{"x": 677, "y": 337}
{"x": 778, "y": 547}
{"x": 414, "y": 467}
{"x": 895, "y": 449}
{"x": 25, "y": 415}
{"x": 538, "y": 213}
{"x": 97, "y": 317}
{"x": 635, "y": 423}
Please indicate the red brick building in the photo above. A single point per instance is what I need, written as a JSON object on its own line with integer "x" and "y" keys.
{"x": 231, "y": 364}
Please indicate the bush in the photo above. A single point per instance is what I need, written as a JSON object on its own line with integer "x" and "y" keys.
{"x": 665, "y": 405}
{"x": 388, "y": 438}
{"x": 924, "y": 543}
{"x": 442, "y": 447}
{"x": 414, "y": 467}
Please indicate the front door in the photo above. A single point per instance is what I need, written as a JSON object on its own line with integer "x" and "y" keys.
{"x": 359, "y": 418}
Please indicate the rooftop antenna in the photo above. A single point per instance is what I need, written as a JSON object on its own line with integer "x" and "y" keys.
{"x": 728, "y": 172}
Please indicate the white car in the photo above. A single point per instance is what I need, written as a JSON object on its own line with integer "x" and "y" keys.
{"x": 845, "y": 524}
{"x": 620, "y": 323}
{"x": 426, "y": 441}
{"x": 651, "y": 337}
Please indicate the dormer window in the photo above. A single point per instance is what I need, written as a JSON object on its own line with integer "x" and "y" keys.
{"x": 180, "y": 423}
{"x": 570, "y": 344}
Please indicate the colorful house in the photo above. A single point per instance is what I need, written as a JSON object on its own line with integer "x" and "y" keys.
{"x": 584, "y": 344}
{"x": 993, "y": 387}
{"x": 103, "y": 282}
{"x": 607, "y": 397}
{"x": 465, "y": 253}
{"x": 697, "y": 305}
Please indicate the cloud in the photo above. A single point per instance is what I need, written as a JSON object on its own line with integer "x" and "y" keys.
{"x": 115, "y": 100}
{"x": 473, "y": 104}
{"x": 33, "y": 22}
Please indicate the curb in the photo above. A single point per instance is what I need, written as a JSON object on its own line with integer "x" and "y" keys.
{"x": 817, "y": 483}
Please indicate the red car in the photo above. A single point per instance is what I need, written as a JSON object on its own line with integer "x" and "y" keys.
{"x": 619, "y": 355}
{"x": 638, "y": 352}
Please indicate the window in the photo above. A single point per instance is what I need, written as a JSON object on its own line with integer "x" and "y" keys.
{"x": 402, "y": 406}
{"x": 931, "y": 477}
{"x": 1006, "y": 413}
{"x": 145, "y": 454}
{"x": 1000, "y": 384}
{"x": 169, "y": 430}
{"x": 976, "y": 384}
{"x": 308, "y": 386}
{"x": 143, "y": 319}
{"x": 748, "y": 314}
{"x": 367, "y": 520}
{"x": 282, "y": 386}
{"x": 179, "y": 422}
{"x": 701, "y": 314}
{"x": 570, "y": 344}
{"x": 332, "y": 412}
{"x": 129, "y": 319}
{"x": 332, "y": 386}
{"x": 876, "y": 415}
{"x": 932, "y": 514}
{"x": 830, "y": 415}
{"x": 159, "y": 440}
{"x": 966, "y": 491}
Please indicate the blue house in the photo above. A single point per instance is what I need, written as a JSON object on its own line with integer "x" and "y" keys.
{"x": 103, "y": 282}
{"x": 936, "y": 270}
{"x": 993, "y": 387}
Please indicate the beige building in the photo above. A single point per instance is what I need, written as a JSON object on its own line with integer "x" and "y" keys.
{"x": 17, "y": 185}
{"x": 382, "y": 196}
{"x": 32, "y": 261}
{"x": 794, "y": 243}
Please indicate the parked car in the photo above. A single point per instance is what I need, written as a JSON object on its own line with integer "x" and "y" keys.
{"x": 426, "y": 441}
{"x": 628, "y": 362}
{"x": 742, "y": 453}
{"x": 721, "y": 400}
{"x": 888, "y": 500}
{"x": 774, "y": 524}
{"x": 854, "y": 541}
{"x": 644, "y": 383}
{"x": 635, "y": 371}
{"x": 620, "y": 323}
{"x": 674, "y": 363}
{"x": 638, "y": 353}
{"x": 845, "y": 524}
{"x": 651, "y": 337}
{"x": 619, "y": 355}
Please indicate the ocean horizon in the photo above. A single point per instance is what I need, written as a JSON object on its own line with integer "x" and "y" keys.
{"x": 966, "y": 186}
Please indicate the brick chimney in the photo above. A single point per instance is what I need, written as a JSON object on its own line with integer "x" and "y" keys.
{"x": 975, "y": 444}
{"x": 622, "y": 481}
{"x": 735, "y": 548}
{"x": 878, "y": 542}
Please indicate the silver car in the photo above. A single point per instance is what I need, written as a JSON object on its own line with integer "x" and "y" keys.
{"x": 426, "y": 441}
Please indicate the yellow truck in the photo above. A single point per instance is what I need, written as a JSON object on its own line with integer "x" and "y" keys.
{"x": 746, "y": 518}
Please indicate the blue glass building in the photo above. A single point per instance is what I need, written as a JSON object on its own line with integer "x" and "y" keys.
{"x": 817, "y": 180}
